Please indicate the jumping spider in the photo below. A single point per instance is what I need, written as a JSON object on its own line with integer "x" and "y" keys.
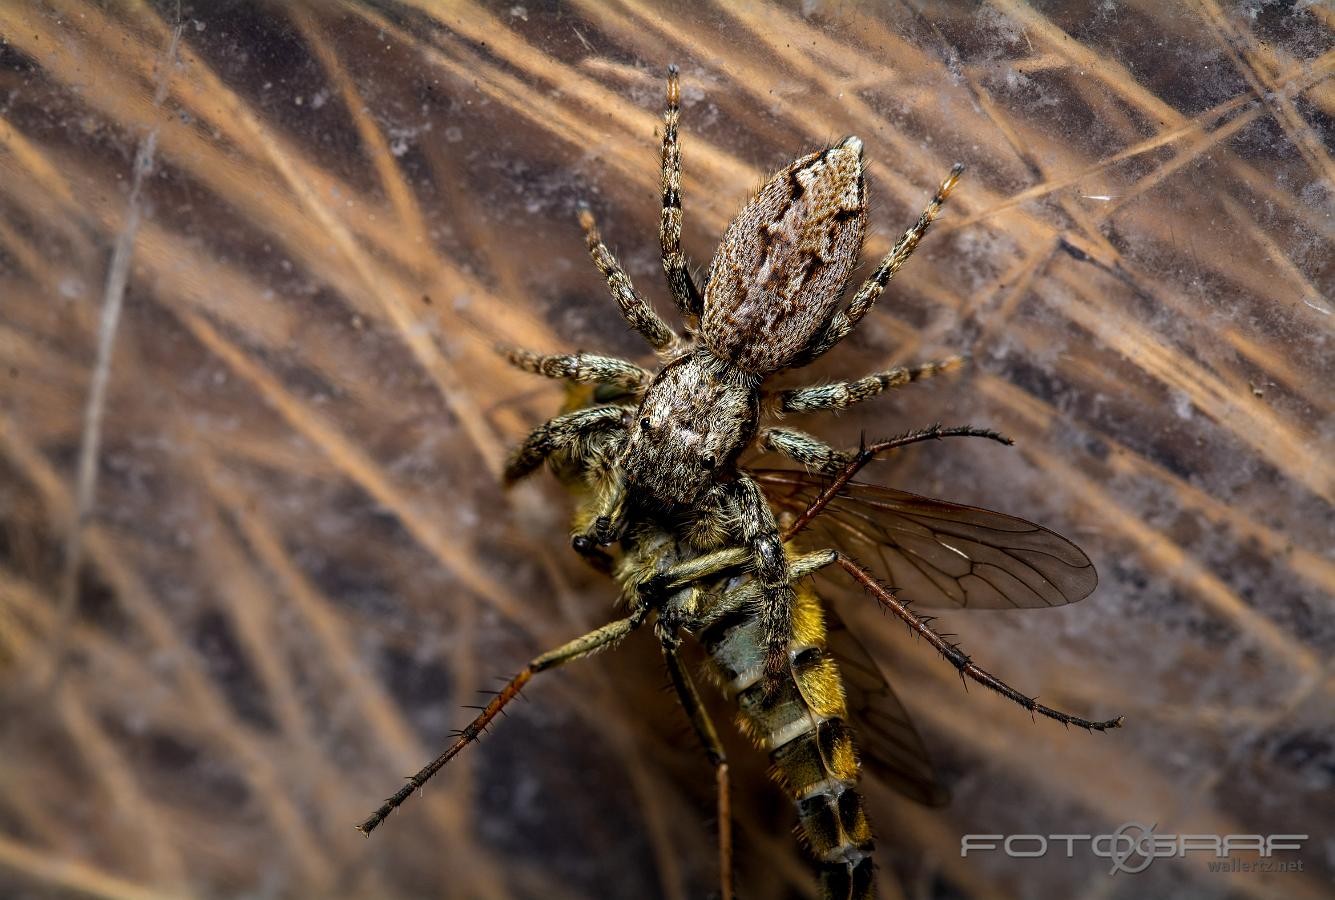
{"x": 770, "y": 303}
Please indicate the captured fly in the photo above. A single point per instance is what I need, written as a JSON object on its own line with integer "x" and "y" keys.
{"x": 704, "y": 548}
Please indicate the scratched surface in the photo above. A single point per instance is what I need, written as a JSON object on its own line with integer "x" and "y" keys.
{"x": 294, "y": 564}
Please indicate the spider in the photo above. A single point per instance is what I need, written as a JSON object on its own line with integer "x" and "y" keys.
{"x": 698, "y": 545}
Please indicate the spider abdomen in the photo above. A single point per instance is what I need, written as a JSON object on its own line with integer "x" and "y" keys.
{"x": 784, "y": 261}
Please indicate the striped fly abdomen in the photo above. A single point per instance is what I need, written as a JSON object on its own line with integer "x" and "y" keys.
{"x": 802, "y": 722}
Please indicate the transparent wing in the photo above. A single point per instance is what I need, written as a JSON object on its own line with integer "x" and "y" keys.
{"x": 940, "y": 554}
{"x": 888, "y": 744}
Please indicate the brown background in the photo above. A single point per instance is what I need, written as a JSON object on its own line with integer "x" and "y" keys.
{"x": 297, "y": 564}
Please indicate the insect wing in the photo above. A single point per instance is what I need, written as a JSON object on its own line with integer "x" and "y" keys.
{"x": 941, "y": 554}
{"x": 889, "y": 747}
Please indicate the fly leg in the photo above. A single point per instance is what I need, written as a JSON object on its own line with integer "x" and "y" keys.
{"x": 586, "y": 645}
{"x": 952, "y": 652}
{"x": 843, "y": 466}
{"x": 708, "y": 735}
{"x": 818, "y": 456}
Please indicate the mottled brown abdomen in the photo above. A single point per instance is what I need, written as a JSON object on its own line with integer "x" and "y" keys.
{"x": 782, "y": 265}
{"x": 803, "y": 725}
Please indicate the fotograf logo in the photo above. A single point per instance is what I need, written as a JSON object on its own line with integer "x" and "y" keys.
{"x": 1133, "y": 846}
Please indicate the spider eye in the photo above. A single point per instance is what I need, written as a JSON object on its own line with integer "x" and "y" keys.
{"x": 645, "y": 423}
{"x": 708, "y": 461}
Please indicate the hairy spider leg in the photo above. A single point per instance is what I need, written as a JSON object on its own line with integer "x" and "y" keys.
{"x": 684, "y": 291}
{"x": 637, "y": 311}
{"x": 583, "y": 368}
{"x": 561, "y": 433}
{"x": 758, "y": 531}
{"x": 845, "y": 321}
{"x": 585, "y": 645}
{"x": 809, "y": 451}
{"x": 843, "y": 394}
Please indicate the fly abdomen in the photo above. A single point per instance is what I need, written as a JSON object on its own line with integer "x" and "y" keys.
{"x": 801, "y": 722}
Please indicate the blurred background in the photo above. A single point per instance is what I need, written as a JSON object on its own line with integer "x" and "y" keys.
{"x": 253, "y": 553}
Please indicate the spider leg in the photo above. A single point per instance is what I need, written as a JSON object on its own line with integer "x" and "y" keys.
{"x": 846, "y": 320}
{"x": 594, "y": 641}
{"x": 759, "y": 534}
{"x": 585, "y": 368}
{"x": 759, "y": 549}
{"x": 814, "y": 454}
{"x": 560, "y": 433}
{"x": 684, "y": 292}
{"x": 709, "y": 739}
{"x": 638, "y": 313}
{"x": 842, "y": 394}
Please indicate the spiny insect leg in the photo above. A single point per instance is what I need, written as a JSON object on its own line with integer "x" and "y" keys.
{"x": 558, "y": 434}
{"x": 684, "y": 292}
{"x": 594, "y": 641}
{"x": 704, "y": 729}
{"x": 957, "y": 657}
{"x": 586, "y": 368}
{"x": 842, "y": 394}
{"x": 846, "y": 320}
{"x": 680, "y": 574}
{"x": 639, "y": 314}
{"x": 749, "y": 593}
{"x": 868, "y": 452}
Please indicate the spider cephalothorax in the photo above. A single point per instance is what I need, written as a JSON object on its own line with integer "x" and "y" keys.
{"x": 697, "y": 415}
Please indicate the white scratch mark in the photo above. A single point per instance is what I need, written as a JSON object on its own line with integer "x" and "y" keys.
{"x": 950, "y": 547}
{"x": 113, "y": 299}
